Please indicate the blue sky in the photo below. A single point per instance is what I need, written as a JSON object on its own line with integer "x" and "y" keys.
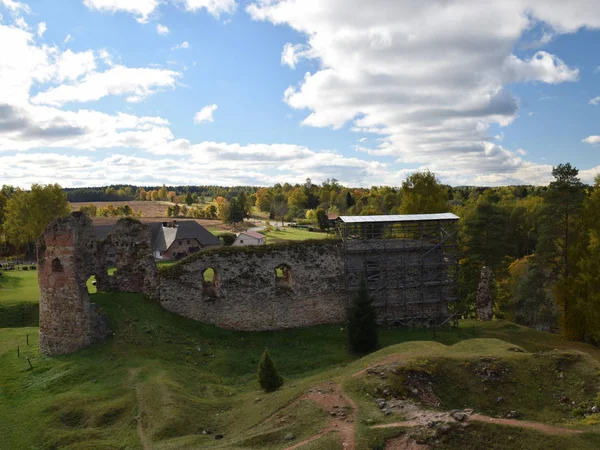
{"x": 257, "y": 92}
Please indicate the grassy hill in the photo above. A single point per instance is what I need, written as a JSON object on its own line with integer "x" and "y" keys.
{"x": 166, "y": 382}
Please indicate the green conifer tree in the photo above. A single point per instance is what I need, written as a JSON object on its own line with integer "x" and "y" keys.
{"x": 268, "y": 377}
{"x": 362, "y": 327}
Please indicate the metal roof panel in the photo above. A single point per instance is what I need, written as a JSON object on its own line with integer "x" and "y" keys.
{"x": 399, "y": 218}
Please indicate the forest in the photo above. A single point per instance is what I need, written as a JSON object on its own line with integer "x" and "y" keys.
{"x": 541, "y": 242}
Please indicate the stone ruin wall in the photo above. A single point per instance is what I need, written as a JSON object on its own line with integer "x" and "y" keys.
{"x": 484, "y": 304}
{"x": 128, "y": 248}
{"x": 247, "y": 295}
{"x": 68, "y": 255}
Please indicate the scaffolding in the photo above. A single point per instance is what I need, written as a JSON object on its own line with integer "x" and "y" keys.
{"x": 409, "y": 262}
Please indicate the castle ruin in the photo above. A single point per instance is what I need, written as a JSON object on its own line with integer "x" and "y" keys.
{"x": 68, "y": 255}
{"x": 408, "y": 263}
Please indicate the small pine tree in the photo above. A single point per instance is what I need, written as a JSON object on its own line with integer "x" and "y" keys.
{"x": 362, "y": 327}
{"x": 268, "y": 377}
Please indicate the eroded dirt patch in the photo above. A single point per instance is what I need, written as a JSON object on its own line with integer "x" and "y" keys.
{"x": 342, "y": 412}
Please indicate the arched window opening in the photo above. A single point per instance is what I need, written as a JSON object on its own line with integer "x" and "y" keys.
{"x": 57, "y": 265}
{"x": 91, "y": 285}
{"x": 210, "y": 282}
{"x": 283, "y": 276}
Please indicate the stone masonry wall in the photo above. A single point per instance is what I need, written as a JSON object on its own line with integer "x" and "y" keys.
{"x": 247, "y": 294}
{"x": 66, "y": 259}
{"x": 128, "y": 248}
{"x": 484, "y": 302}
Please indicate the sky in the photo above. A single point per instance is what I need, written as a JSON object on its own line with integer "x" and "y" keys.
{"x": 256, "y": 92}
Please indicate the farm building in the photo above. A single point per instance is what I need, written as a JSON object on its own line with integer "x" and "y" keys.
{"x": 249, "y": 238}
{"x": 172, "y": 240}
{"x": 178, "y": 239}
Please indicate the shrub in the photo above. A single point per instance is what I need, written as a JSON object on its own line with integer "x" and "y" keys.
{"x": 268, "y": 377}
{"x": 227, "y": 238}
{"x": 362, "y": 327}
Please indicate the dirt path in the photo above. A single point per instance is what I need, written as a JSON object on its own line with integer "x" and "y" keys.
{"x": 544, "y": 428}
{"x": 133, "y": 373}
{"x": 310, "y": 439}
{"x": 342, "y": 410}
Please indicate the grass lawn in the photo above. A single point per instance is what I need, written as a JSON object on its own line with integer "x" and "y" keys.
{"x": 293, "y": 234}
{"x": 179, "y": 378}
{"x": 19, "y": 298}
{"x": 18, "y": 286}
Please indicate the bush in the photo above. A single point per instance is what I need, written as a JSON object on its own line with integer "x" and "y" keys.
{"x": 227, "y": 238}
{"x": 268, "y": 377}
{"x": 362, "y": 327}
{"x": 311, "y": 229}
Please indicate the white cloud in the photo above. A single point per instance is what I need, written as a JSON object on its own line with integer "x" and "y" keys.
{"x": 428, "y": 80}
{"x": 541, "y": 67}
{"x": 214, "y": 7}
{"x": 41, "y": 29}
{"x": 163, "y": 30}
{"x": 592, "y": 140}
{"x": 141, "y": 9}
{"x": 184, "y": 45}
{"x": 47, "y": 127}
{"x": 20, "y": 22}
{"x": 595, "y": 101}
{"x": 137, "y": 83}
{"x": 546, "y": 38}
{"x": 590, "y": 175}
{"x": 68, "y": 39}
{"x": 22, "y": 65}
{"x": 71, "y": 66}
{"x": 246, "y": 165}
{"x": 205, "y": 114}
{"x": 15, "y": 6}
{"x": 291, "y": 54}
{"x": 105, "y": 57}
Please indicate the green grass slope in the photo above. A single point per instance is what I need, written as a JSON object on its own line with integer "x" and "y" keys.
{"x": 179, "y": 377}
{"x": 166, "y": 382}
